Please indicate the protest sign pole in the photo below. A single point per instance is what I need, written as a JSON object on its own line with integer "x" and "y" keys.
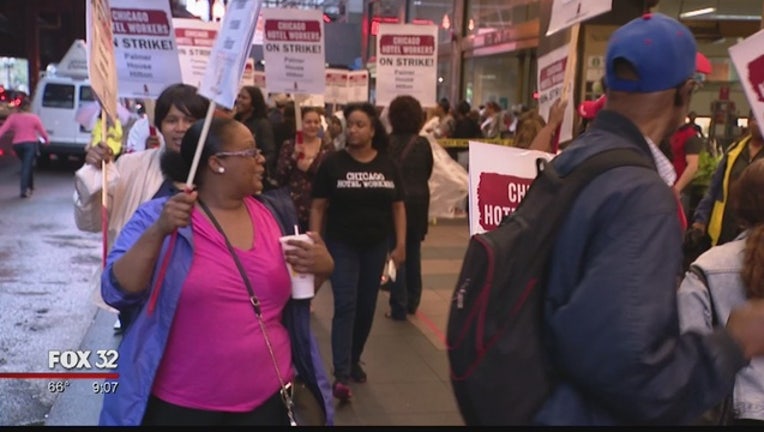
{"x": 200, "y": 145}
{"x": 570, "y": 64}
{"x": 104, "y": 195}
{"x": 568, "y": 83}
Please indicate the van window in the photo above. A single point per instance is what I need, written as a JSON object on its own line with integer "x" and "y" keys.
{"x": 58, "y": 96}
{"x": 86, "y": 94}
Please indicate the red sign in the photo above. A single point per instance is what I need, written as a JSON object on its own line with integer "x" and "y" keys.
{"x": 292, "y": 31}
{"x": 552, "y": 75}
{"x": 375, "y": 21}
{"x": 414, "y": 45}
{"x": 499, "y": 195}
{"x": 139, "y": 22}
{"x": 756, "y": 76}
{"x": 195, "y": 37}
{"x": 724, "y": 93}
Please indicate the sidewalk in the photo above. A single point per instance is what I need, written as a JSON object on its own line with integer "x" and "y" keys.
{"x": 406, "y": 361}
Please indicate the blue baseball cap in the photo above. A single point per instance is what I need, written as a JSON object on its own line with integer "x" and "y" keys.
{"x": 661, "y": 49}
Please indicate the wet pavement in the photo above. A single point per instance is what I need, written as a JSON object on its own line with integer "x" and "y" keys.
{"x": 45, "y": 268}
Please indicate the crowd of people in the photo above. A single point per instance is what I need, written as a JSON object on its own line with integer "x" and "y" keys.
{"x": 649, "y": 317}
{"x": 361, "y": 195}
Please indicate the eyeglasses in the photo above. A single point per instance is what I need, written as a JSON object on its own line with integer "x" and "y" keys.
{"x": 250, "y": 153}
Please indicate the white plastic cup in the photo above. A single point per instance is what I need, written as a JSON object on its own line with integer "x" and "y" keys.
{"x": 302, "y": 283}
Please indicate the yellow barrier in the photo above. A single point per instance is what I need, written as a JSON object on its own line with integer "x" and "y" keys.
{"x": 464, "y": 143}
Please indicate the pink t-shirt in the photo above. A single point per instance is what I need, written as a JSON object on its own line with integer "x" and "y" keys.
{"x": 25, "y": 127}
{"x": 216, "y": 357}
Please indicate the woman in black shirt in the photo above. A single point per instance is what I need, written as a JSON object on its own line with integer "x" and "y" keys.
{"x": 358, "y": 203}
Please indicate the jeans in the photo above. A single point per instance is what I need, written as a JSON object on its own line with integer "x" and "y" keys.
{"x": 355, "y": 285}
{"x": 406, "y": 291}
{"x": 26, "y": 151}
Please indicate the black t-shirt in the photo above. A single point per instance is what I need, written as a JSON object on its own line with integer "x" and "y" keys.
{"x": 693, "y": 145}
{"x": 360, "y": 197}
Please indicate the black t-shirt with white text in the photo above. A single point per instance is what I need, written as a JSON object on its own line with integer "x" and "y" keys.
{"x": 360, "y": 197}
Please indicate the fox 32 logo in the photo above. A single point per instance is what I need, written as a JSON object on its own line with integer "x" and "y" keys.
{"x": 83, "y": 359}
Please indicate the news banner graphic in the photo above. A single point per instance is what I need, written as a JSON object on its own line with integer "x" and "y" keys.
{"x": 96, "y": 365}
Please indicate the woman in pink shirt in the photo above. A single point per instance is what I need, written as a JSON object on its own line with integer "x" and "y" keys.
{"x": 26, "y": 128}
{"x": 211, "y": 353}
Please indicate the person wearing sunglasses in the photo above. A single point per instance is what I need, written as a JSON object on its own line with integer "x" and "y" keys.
{"x": 216, "y": 335}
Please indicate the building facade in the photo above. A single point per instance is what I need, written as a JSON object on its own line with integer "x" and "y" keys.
{"x": 488, "y": 48}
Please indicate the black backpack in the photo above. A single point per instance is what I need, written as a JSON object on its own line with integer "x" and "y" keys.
{"x": 500, "y": 370}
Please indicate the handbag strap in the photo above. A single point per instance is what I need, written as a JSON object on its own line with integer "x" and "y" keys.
{"x": 286, "y": 388}
{"x": 408, "y": 148}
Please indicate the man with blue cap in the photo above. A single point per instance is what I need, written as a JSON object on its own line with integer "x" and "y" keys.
{"x": 610, "y": 313}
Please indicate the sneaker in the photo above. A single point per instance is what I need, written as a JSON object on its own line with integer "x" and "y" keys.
{"x": 341, "y": 391}
{"x": 357, "y": 373}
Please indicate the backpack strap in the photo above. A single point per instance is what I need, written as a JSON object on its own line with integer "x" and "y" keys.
{"x": 408, "y": 148}
{"x": 606, "y": 160}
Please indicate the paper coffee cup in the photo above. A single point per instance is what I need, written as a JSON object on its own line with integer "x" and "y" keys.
{"x": 302, "y": 283}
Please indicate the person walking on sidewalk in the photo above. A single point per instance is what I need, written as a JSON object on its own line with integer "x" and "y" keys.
{"x": 27, "y": 130}
{"x": 610, "y": 317}
{"x": 414, "y": 156}
{"x": 358, "y": 199}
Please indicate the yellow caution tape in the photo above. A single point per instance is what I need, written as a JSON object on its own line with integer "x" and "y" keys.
{"x": 464, "y": 143}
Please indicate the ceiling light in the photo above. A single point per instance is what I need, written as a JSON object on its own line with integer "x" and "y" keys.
{"x": 697, "y": 12}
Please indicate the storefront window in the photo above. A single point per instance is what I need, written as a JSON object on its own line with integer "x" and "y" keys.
{"x": 437, "y": 12}
{"x": 484, "y": 16}
{"x": 494, "y": 78}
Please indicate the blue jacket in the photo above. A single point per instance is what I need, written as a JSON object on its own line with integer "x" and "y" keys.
{"x": 610, "y": 315}
{"x": 144, "y": 341}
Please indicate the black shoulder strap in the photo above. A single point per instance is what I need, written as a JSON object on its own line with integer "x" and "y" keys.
{"x": 591, "y": 168}
{"x": 408, "y": 148}
{"x": 607, "y": 160}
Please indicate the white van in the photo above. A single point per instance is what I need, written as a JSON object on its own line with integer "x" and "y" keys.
{"x": 56, "y": 100}
{"x": 61, "y": 91}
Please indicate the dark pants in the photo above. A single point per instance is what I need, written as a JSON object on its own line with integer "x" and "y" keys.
{"x": 355, "y": 285}
{"x": 406, "y": 291}
{"x": 160, "y": 413}
{"x": 26, "y": 151}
